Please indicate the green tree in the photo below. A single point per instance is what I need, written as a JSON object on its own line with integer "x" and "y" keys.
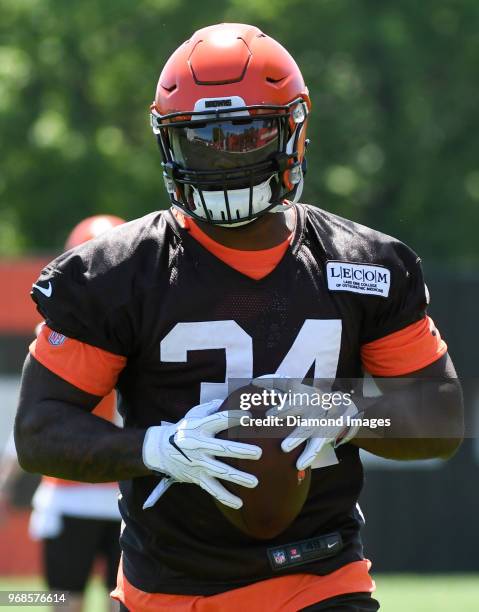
{"x": 393, "y": 85}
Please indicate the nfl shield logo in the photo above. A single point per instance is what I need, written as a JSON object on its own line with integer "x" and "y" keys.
{"x": 279, "y": 557}
{"x": 55, "y": 339}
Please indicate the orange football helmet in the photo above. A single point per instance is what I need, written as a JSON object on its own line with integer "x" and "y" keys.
{"x": 230, "y": 115}
{"x": 91, "y": 227}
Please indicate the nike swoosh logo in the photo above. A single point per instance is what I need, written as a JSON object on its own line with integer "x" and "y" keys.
{"x": 171, "y": 440}
{"x": 332, "y": 545}
{"x": 47, "y": 291}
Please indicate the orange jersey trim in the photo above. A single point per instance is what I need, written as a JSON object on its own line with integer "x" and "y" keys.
{"x": 255, "y": 264}
{"x": 61, "y": 482}
{"x": 405, "y": 351}
{"x": 286, "y": 593}
{"x": 87, "y": 367}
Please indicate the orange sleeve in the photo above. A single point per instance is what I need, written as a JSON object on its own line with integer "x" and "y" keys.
{"x": 87, "y": 367}
{"x": 106, "y": 408}
{"x": 405, "y": 351}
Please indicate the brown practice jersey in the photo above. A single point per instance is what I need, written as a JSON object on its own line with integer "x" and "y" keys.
{"x": 182, "y": 324}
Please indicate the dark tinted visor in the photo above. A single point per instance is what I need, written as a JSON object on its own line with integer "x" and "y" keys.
{"x": 225, "y": 145}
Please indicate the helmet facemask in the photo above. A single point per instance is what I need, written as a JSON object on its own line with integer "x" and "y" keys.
{"x": 227, "y": 163}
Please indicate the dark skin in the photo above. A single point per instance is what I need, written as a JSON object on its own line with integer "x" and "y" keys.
{"x": 56, "y": 434}
{"x": 266, "y": 232}
{"x": 426, "y": 410}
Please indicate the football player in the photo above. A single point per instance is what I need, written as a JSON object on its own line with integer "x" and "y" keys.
{"x": 236, "y": 280}
{"x": 76, "y": 522}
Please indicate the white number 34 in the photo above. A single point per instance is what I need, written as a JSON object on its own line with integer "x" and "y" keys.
{"x": 318, "y": 342}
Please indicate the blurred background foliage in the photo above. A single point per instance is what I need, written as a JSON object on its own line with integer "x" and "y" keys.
{"x": 394, "y": 128}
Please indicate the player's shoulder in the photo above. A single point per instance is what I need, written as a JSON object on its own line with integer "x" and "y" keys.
{"x": 359, "y": 259}
{"x": 119, "y": 253}
{"x": 86, "y": 290}
{"x": 346, "y": 240}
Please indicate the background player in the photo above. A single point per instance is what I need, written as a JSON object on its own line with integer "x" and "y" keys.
{"x": 173, "y": 305}
{"x": 77, "y": 523}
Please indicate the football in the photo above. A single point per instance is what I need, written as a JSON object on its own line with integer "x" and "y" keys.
{"x": 274, "y": 503}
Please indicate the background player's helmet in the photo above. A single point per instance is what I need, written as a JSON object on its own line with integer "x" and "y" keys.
{"x": 230, "y": 116}
{"x": 91, "y": 227}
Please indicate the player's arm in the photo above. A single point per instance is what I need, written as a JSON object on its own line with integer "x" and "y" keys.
{"x": 403, "y": 350}
{"x": 417, "y": 416}
{"x": 425, "y": 412}
{"x": 56, "y": 434}
{"x": 78, "y": 357}
{"x": 420, "y": 406}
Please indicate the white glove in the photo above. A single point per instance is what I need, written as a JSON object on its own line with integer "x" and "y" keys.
{"x": 186, "y": 451}
{"x": 317, "y": 439}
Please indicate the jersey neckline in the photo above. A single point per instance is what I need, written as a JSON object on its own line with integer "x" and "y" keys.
{"x": 193, "y": 244}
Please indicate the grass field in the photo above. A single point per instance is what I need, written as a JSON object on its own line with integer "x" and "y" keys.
{"x": 437, "y": 593}
{"x": 397, "y": 593}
